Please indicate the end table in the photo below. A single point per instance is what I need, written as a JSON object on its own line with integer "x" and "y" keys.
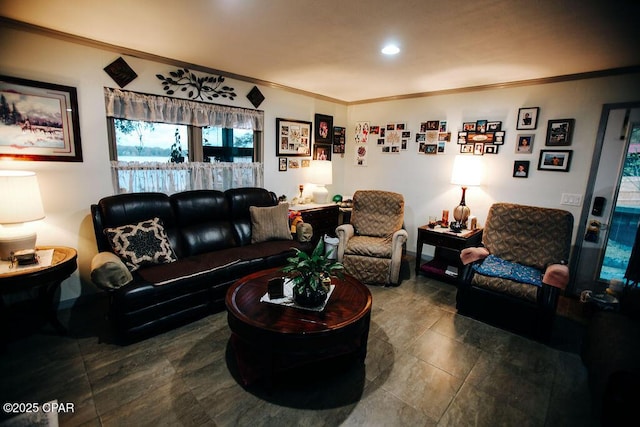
{"x": 448, "y": 246}
{"x": 46, "y": 278}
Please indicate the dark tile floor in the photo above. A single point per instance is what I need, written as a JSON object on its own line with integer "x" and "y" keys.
{"x": 426, "y": 366}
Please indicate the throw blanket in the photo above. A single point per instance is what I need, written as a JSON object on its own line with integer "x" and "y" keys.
{"x": 498, "y": 267}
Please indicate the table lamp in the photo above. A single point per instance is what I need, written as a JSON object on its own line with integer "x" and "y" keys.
{"x": 467, "y": 171}
{"x": 321, "y": 175}
{"x": 20, "y": 202}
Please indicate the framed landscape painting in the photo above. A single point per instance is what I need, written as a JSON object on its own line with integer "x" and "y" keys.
{"x": 39, "y": 121}
{"x": 293, "y": 138}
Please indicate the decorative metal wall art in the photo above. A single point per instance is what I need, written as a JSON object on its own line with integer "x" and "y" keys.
{"x": 204, "y": 88}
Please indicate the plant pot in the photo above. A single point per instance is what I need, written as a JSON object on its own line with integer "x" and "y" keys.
{"x": 305, "y": 296}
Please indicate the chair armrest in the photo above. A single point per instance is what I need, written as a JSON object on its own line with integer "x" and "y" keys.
{"x": 109, "y": 272}
{"x": 556, "y": 275}
{"x": 398, "y": 239}
{"x": 344, "y": 233}
{"x": 470, "y": 255}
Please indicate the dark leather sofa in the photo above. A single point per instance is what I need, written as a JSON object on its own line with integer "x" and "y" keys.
{"x": 210, "y": 232}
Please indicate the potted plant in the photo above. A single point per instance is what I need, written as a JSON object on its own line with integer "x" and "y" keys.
{"x": 311, "y": 275}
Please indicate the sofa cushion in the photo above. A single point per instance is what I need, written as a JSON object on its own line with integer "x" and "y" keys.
{"x": 144, "y": 243}
{"x": 270, "y": 223}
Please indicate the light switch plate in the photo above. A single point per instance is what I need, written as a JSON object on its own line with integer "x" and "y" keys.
{"x": 570, "y": 199}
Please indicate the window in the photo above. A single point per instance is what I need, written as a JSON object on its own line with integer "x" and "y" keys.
{"x": 227, "y": 145}
{"x": 156, "y": 144}
{"x": 140, "y": 141}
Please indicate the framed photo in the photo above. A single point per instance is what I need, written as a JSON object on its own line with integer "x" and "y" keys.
{"x": 462, "y": 137}
{"x": 527, "y": 118}
{"x": 490, "y": 149}
{"x": 498, "y": 137}
{"x": 293, "y": 138}
{"x": 466, "y": 148}
{"x": 469, "y": 126}
{"x": 323, "y": 127}
{"x": 521, "y": 169}
{"x": 322, "y": 152}
{"x": 555, "y": 160}
{"x": 282, "y": 164}
{"x": 431, "y": 148}
{"x": 478, "y": 148}
{"x": 559, "y": 132}
{"x": 339, "y": 139}
{"x": 525, "y": 143}
{"x": 481, "y": 126}
{"x": 43, "y": 124}
{"x": 494, "y": 126}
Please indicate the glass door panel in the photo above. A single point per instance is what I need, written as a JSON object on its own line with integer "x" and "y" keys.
{"x": 626, "y": 213}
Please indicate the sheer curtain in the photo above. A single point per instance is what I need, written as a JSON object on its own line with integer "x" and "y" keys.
{"x": 174, "y": 177}
{"x": 169, "y": 178}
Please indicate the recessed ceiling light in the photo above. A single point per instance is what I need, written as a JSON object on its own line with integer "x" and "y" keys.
{"x": 390, "y": 49}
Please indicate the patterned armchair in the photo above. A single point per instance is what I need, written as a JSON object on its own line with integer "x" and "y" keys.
{"x": 371, "y": 246}
{"x": 514, "y": 281}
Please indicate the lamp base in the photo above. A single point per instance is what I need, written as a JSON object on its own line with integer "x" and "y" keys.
{"x": 10, "y": 244}
{"x": 461, "y": 214}
{"x": 320, "y": 194}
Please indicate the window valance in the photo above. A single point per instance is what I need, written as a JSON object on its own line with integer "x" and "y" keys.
{"x": 128, "y": 105}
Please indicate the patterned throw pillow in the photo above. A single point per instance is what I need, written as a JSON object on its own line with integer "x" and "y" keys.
{"x": 141, "y": 244}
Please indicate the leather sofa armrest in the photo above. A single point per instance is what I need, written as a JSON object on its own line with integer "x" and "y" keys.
{"x": 344, "y": 233}
{"x": 109, "y": 272}
{"x": 471, "y": 255}
{"x": 556, "y": 275}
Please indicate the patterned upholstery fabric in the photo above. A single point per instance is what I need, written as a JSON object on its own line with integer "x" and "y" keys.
{"x": 371, "y": 246}
{"x": 528, "y": 235}
{"x": 377, "y": 213}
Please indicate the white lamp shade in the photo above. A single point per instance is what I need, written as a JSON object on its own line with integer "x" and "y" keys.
{"x": 467, "y": 170}
{"x": 20, "y": 199}
{"x": 321, "y": 172}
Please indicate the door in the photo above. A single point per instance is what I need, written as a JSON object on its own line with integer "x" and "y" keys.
{"x": 610, "y": 220}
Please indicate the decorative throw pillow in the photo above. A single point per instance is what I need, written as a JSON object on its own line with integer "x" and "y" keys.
{"x": 141, "y": 244}
{"x": 270, "y": 223}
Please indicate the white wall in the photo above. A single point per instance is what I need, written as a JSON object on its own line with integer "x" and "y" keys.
{"x": 424, "y": 180}
{"x": 69, "y": 188}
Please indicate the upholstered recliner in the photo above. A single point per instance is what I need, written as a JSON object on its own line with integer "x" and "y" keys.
{"x": 371, "y": 246}
{"x": 515, "y": 279}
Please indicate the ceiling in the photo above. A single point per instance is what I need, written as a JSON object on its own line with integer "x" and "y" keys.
{"x": 332, "y": 47}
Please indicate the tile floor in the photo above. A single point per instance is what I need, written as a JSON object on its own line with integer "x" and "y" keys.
{"x": 426, "y": 366}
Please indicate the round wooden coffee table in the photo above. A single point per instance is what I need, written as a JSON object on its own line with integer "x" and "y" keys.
{"x": 268, "y": 339}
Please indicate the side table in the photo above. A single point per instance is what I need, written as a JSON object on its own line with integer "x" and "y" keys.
{"x": 46, "y": 279}
{"x": 446, "y": 261}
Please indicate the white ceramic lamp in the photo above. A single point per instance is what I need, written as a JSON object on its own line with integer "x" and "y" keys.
{"x": 20, "y": 202}
{"x": 467, "y": 171}
{"x": 321, "y": 175}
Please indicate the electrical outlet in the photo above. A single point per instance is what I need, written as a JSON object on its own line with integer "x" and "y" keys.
{"x": 570, "y": 199}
